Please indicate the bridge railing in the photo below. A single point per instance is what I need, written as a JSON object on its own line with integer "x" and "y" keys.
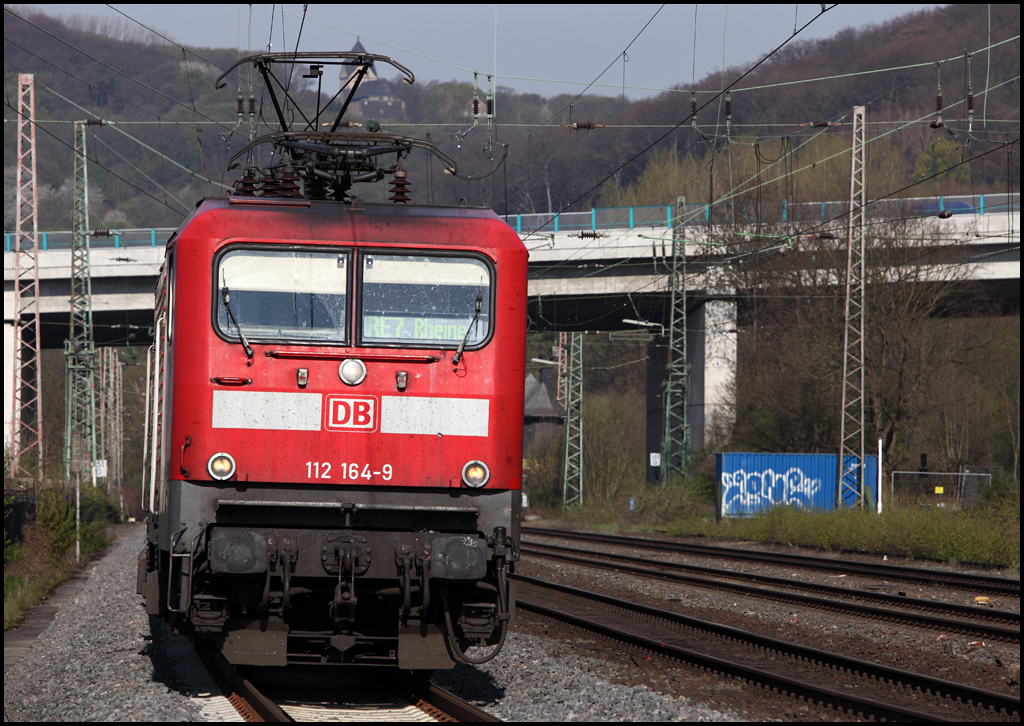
{"x": 117, "y": 239}
{"x": 743, "y": 212}
{"x": 603, "y": 218}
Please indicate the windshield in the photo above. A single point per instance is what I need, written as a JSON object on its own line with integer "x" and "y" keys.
{"x": 284, "y": 295}
{"x": 423, "y": 300}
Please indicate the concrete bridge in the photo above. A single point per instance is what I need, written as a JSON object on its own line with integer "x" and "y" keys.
{"x": 588, "y": 271}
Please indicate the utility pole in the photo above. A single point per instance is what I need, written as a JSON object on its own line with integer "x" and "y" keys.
{"x": 79, "y": 349}
{"x": 118, "y": 430}
{"x": 27, "y": 408}
{"x": 572, "y": 482}
{"x": 560, "y": 370}
{"x": 675, "y": 447}
{"x": 850, "y": 477}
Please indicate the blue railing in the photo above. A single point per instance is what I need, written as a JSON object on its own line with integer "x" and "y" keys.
{"x": 603, "y": 218}
{"x": 116, "y": 239}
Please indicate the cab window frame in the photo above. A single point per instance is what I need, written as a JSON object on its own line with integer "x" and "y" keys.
{"x": 231, "y": 335}
{"x": 363, "y": 252}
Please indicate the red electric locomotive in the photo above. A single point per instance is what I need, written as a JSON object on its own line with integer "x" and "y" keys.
{"x": 335, "y": 430}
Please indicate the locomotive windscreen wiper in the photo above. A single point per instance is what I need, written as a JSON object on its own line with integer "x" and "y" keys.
{"x": 226, "y": 296}
{"x": 479, "y": 302}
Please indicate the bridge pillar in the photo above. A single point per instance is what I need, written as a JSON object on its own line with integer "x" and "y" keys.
{"x": 711, "y": 396}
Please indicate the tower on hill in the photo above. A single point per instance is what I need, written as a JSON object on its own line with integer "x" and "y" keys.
{"x": 376, "y": 97}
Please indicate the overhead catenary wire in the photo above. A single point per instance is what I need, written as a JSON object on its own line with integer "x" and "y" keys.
{"x": 593, "y": 83}
{"x": 808, "y": 230}
{"x": 112, "y": 68}
{"x": 93, "y": 161}
{"x": 665, "y": 135}
{"x": 140, "y": 142}
{"x": 795, "y": 233}
{"x": 744, "y": 188}
{"x": 738, "y": 90}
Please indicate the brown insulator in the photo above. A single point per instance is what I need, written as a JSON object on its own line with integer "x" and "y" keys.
{"x": 246, "y": 186}
{"x": 252, "y": 105}
{"x": 400, "y": 188}
{"x": 476, "y": 108}
{"x": 490, "y": 107}
{"x": 937, "y": 123}
{"x": 287, "y": 185}
{"x": 582, "y": 126}
{"x": 268, "y": 185}
{"x": 241, "y": 105}
{"x": 693, "y": 103}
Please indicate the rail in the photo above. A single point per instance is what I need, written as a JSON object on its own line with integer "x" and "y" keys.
{"x": 996, "y": 585}
{"x": 852, "y": 685}
{"x": 948, "y": 617}
{"x": 303, "y": 694}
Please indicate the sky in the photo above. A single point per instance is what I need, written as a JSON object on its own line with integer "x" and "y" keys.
{"x": 545, "y": 49}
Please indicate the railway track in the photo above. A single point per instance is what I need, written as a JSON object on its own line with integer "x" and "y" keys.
{"x": 949, "y": 617}
{"x": 828, "y": 680}
{"x": 919, "y": 575}
{"x": 306, "y": 694}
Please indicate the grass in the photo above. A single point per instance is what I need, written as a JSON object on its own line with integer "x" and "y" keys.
{"x": 33, "y": 575}
{"x": 45, "y": 557}
{"x": 988, "y": 534}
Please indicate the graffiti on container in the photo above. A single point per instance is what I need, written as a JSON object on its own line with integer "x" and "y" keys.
{"x": 747, "y": 491}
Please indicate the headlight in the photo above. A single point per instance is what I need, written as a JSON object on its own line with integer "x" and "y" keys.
{"x": 221, "y": 466}
{"x": 352, "y": 371}
{"x": 475, "y": 474}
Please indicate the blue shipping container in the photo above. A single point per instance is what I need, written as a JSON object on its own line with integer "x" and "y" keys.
{"x": 751, "y": 483}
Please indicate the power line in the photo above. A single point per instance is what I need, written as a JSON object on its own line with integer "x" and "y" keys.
{"x": 141, "y": 143}
{"x": 106, "y": 93}
{"x": 115, "y": 70}
{"x": 688, "y": 117}
{"x": 93, "y": 161}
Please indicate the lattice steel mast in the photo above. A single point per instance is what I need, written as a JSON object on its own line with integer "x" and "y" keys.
{"x": 675, "y": 447}
{"x": 79, "y": 348}
{"x": 851, "y": 430}
{"x": 27, "y": 398}
{"x": 572, "y": 482}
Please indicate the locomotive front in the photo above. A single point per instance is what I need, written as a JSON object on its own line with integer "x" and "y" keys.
{"x": 340, "y": 473}
{"x": 334, "y": 427}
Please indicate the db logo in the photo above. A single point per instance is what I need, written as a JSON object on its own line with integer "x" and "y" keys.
{"x": 350, "y": 413}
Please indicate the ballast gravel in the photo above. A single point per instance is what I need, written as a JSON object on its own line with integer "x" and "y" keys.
{"x": 102, "y": 659}
{"x": 526, "y": 683}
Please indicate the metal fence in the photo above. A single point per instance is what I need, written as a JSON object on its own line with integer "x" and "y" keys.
{"x": 110, "y": 239}
{"x": 654, "y": 216}
{"x": 936, "y": 489}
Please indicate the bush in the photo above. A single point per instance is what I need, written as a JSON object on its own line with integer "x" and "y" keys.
{"x": 1002, "y": 492}
{"x": 55, "y": 520}
{"x": 983, "y": 535}
{"x": 680, "y": 498}
{"x": 12, "y": 550}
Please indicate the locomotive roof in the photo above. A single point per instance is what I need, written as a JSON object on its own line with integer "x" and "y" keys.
{"x": 312, "y": 219}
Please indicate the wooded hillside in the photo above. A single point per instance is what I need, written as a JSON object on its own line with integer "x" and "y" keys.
{"x": 163, "y": 96}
